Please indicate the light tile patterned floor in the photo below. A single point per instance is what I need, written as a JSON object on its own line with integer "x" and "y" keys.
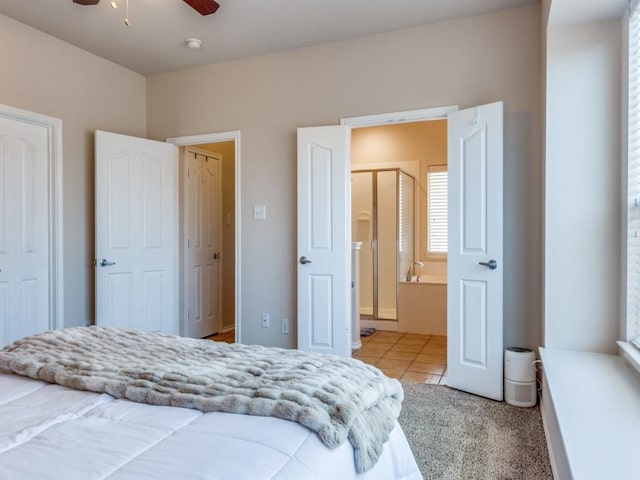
{"x": 406, "y": 356}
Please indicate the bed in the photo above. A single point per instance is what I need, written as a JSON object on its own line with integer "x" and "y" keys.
{"x": 67, "y": 413}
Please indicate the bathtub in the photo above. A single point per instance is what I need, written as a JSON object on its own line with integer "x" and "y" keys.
{"x": 422, "y": 305}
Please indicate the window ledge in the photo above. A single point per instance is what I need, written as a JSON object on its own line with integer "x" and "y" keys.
{"x": 594, "y": 404}
{"x": 631, "y": 355}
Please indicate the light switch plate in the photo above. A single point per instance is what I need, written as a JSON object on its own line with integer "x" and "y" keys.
{"x": 259, "y": 212}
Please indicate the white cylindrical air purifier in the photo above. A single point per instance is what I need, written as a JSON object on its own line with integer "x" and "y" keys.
{"x": 520, "y": 377}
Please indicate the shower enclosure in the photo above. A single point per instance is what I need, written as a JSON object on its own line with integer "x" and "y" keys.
{"x": 382, "y": 218}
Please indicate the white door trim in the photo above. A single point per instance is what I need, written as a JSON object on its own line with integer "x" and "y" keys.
{"x": 56, "y": 265}
{"x": 421, "y": 115}
{"x": 234, "y": 136}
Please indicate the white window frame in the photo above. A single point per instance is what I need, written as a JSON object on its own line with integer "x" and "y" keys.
{"x": 631, "y": 328}
{"x": 434, "y": 255}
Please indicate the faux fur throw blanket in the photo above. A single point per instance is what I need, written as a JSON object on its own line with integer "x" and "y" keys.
{"x": 338, "y": 398}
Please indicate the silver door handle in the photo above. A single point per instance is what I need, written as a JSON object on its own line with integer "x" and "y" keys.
{"x": 304, "y": 260}
{"x": 492, "y": 264}
{"x": 105, "y": 263}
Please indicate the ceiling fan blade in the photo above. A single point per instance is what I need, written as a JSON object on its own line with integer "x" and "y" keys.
{"x": 86, "y": 2}
{"x": 203, "y": 7}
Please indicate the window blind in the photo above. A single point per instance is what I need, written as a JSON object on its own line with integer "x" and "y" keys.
{"x": 633, "y": 178}
{"x": 437, "y": 227}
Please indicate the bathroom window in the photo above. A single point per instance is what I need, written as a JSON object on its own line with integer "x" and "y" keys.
{"x": 437, "y": 210}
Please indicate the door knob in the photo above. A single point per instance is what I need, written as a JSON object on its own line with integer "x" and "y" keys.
{"x": 304, "y": 260}
{"x": 105, "y": 263}
{"x": 492, "y": 264}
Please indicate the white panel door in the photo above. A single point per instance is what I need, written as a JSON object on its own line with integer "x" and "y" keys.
{"x": 324, "y": 240}
{"x": 203, "y": 203}
{"x": 136, "y": 248}
{"x": 474, "y": 300}
{"x": 24, "y": 230}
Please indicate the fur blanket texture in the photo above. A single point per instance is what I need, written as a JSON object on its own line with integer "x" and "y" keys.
{"x": 337, "y": 398}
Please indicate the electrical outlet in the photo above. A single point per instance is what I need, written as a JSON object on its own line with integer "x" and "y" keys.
{"x": 285, "y": 326}
{"x": 265, "y": 320}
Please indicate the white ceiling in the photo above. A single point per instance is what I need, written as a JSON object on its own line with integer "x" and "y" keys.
{"x": 155, "y": 41}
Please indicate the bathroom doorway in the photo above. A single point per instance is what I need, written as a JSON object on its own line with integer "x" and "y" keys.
{"x": 399, "y": 260}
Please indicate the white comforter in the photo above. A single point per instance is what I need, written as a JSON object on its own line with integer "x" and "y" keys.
{"x": 53, "y": 432}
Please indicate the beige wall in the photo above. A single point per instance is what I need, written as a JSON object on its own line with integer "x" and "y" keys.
{"x": 467, "y": 62}
{"x": 582, "y": 186}
{"x": 227, "y": 151}
{"x": 47, "y": 76}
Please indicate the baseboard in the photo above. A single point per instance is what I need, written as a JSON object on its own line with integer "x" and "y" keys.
{"x": 228, "y": 328}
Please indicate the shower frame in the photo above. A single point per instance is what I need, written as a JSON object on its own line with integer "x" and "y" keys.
{"x": 374, "y": 232}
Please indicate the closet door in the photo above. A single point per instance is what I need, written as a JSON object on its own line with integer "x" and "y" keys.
{"x": 24, "y": 230}
{"x": 203, "y": 199}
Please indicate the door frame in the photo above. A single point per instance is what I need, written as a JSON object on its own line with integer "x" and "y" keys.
{"x": 420, "y": 115}
{"x": 53, "y": 126}
{"x": 192, "y": 140}
{"x": 185, "y": 251}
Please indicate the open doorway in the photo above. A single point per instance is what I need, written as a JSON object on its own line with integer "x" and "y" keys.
{"x": 399, "y": 213}
{"x": 396, "y": 215}
{"x": 207, "y": 238}
{"x": 209, "y": 266}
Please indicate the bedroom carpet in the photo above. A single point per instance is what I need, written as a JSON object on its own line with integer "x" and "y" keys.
{"x": 456, "y": 435}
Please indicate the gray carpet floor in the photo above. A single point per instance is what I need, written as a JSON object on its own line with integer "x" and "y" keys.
{"x": 459, "y": 436}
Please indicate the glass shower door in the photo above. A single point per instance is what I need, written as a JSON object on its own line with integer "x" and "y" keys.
{"x": 362, "y": 231}
{"x": 387, "y": 228}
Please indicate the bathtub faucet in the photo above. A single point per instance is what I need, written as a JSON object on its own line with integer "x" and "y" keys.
{"x": 412, "y": 268}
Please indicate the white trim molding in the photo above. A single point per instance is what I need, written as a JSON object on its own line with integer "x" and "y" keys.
{"x": 54, "y": 175}
{"x": 234, "y": 136}
{"x": 630, "y": 354}
{"x": 421, "y": 115}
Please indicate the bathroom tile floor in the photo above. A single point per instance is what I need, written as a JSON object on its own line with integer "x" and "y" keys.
{"x": 406, "y": 356}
